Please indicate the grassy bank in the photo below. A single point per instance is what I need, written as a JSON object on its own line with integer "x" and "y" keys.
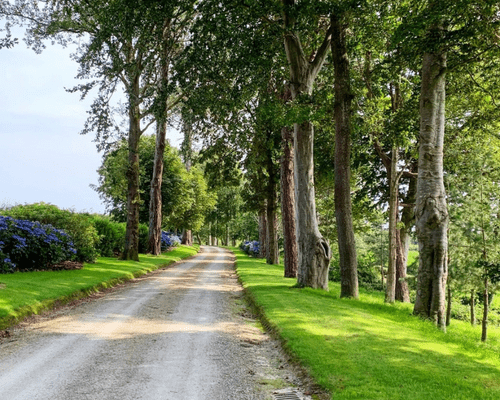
{"x": 366, "y": 349}
{"x": 23, "y": 294}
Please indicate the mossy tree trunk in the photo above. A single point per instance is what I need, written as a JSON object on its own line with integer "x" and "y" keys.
{"x": 343, "y": 206}
{"x": 155, "y": 203}
{"x": 431, "y": 208}
{"x": 288, "y": 205}
{"x": 314, "y": 252}
{"x": 131, "y": 248}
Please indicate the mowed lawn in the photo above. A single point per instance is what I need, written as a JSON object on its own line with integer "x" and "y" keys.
{"x": 365, "y": 349}
{"x": 22, "y": 294}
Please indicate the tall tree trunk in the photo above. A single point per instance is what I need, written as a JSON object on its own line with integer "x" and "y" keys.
{"x": 155, "y": 203}
{"x": 472, "y": 307}
{"x": 343, "y": 207}
{"x": 263, "y": 233}
{"x": 288, "y": 205}
{"x": 187, "y": 237}
{"x": 187, "y": 152}
{"x": 272, "y": 253}
{"x": 448, "y": 308}
{"x": 313, "y": 250}
{"x": 486, "y": 305}
{"x": 131, "y": 248}
{"x": 431, "y": 209}
{"x": 210, "y": 243}
{"x": 408, "y": 220}
{"x": 390, "y": 291}
{"x": 402, "y": 290}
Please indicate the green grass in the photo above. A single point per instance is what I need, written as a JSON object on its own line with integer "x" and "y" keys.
{"x": 412, "y": 256}
{"x": 23, "y": 294}
{"x": 365, "y": 349}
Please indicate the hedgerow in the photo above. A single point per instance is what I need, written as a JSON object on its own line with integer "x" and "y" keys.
{"x": 78, "y": 226}
{"x": 111, "y": 235}
{"x": 28, "y": 246}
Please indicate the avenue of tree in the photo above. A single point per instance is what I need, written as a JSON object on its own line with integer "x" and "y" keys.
{"x": 370, "y": 124}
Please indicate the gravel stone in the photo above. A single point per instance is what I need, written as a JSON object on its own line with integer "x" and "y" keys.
{"x": 183, "y": 332}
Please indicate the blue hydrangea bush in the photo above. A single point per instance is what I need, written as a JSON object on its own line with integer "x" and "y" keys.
{"x": 252, "y": 248}
{"x": 169, "y": 240}
{"x": 28, "y": 246}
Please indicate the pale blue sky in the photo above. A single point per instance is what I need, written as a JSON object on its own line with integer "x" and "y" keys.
{"x": 42, "y": 155}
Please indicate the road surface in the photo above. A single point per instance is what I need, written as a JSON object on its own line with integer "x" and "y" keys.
{"x": 180, "y": 333}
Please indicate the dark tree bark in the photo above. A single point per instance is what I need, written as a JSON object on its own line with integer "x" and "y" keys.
{"x": 131, "y": 248}
{"x": 486, "y": 306}
{"x": 390, "y": 291}
{"x": 155, "y": 203}
{"x": 343, "y": 207}
{"x": 263, "y": 233}
{"x": 431, "y": 209}
{"x": 288, "y": 205}
{"x": 402, "y": 292}
{"x": 448, "y": 308}
{"x": 472, "y": 307}
{"x": 272, "y": 249}
{"x": 187, "y": 152}
{"x": 187, "y": 237}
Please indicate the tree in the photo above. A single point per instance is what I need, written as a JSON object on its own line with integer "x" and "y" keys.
{"x": 112, "y": 186}
{"x": 199, "y": 199}
{"x": 313, "y": 250}
{"x": 172, "y": 31}
{"x": 121, "y": 52}
{"x": 342, "y": 114}
{"x": 449, "y": 39}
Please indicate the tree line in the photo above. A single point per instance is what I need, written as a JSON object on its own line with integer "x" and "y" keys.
{"x": 334, "y": 111}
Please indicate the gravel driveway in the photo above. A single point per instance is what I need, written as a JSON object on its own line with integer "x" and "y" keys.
{"x": 180, "y": 333}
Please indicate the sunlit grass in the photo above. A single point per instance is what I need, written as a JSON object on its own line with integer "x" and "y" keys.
{"x": 25, "y": 293}
{"x": 365, "y": 349}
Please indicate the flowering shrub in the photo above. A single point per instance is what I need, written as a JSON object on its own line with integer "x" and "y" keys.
{"x": 251, "y": 248}
{"x": 169, "y": 240}
{"x": 78, "y": 226}
{"x": 26, "y": 245}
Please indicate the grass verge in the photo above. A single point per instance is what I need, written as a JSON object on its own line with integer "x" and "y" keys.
{"x": 365, "y": 349}
{"x": 23, "y": 294}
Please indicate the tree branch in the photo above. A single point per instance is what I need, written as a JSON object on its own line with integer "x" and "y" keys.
{"x": 322, "y": 52}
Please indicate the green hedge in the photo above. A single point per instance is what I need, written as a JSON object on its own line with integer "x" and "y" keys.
{"x": 93, "y": 235}
{"x": 78, "y": 226}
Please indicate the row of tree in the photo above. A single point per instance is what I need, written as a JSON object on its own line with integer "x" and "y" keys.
{"x": 340, "y": 101}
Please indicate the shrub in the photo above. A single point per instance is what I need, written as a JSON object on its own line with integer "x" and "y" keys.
{"x": 251, "y": 248}
{"x": 27, "y": 245}
{"x": 78, "y": 226}
{"x": 143, "y": 238}
{"x": 111, "y": 235}
{"x": 169, "y": 240}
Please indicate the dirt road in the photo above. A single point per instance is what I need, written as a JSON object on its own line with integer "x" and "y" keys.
{"x": 180, "y": 333}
